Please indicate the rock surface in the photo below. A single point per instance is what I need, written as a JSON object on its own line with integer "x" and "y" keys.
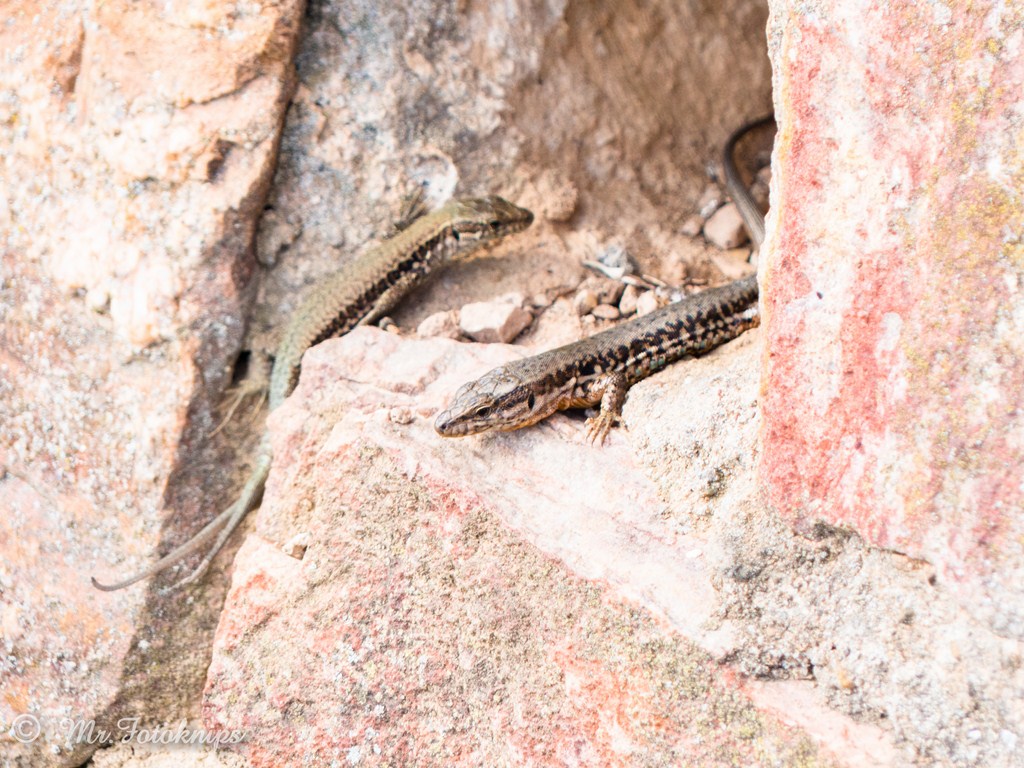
{"x": 584, "y": 301}
{"x": 647, "y": 303}
{"x": 137, "y": 143}
{"x": 151, "y": 756}
{"x": 444, "y": 581}
{"x": 440, "y": 324}
{"x": 894, "y": 288}
{"x": 523, "y": 598}
{"x": 734, "y": 264}
{"x": 628, "y": 302}
{"x": 509, "y": 599}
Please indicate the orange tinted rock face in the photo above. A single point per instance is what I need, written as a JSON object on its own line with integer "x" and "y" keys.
{"x": 137, "y": 141}
{"x": 894, "y": 288}
{"x": 133, "y": 136}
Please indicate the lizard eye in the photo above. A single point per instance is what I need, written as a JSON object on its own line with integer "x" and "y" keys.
{"x": 531, "y": 401}
{"x": 495, "y": 224}
{"x": 483, "y": 411}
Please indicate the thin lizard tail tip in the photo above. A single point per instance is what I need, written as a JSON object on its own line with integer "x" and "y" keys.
{"x": 110, "y": 587}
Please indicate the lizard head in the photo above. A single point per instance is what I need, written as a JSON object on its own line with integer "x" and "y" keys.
{"x": 498, "y": 401}
{"x": 477, "y": 219}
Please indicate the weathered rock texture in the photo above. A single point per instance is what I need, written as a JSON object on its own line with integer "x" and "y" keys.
{"x": 507, "y": 600}
{"x": 894, "y": 287}
{"x": 442, "y": 577}
{"x": 137, "y": 143}
{"x": 854, "y": 629}
{"x": 526, "y": 598}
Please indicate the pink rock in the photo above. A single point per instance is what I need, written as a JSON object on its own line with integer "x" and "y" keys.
{"x": 646, "y": 303}
{"x": 710, "y": 201}
{"x": 466, "y": 602}
{"x": 734, "y": 264}
{"x": 605, "y": 312}
{"x": 692, "y": 226}
{"x": 138, "y": 141}
{"x": 893, "y": 289}
{"x": 628, "y": 302}
{"x": 443, "y": 571}
{"x": 584, "y": 301}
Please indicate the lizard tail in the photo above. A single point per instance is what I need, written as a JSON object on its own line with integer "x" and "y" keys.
{"x": 221, "y": 527}
{"x": 752, "y": 217}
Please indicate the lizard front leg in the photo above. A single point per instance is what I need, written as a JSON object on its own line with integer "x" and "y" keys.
{"x": 612, "y": 388}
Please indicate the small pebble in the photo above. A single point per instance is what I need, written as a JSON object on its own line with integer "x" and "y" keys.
{"x": 389, "y": 325}
{"x": 692, "y": 226}
{"x": 540, "y": 301}
{"x": 647, "y": 303}
{"x": 733, "y": 264}
{"x": 400, "y": 415}
{"x": 297, "y": 545}
{"x": 725, "y": 229}
{"x": 493, "y": 321}
{"x": 584, "y": 301}
{"x": 605, "y": 289}
{"x": 439, "y": 325}
{"x": 709, "y": 201}
{"x": 627, "y": 304}
{"x": 605, "y": 312}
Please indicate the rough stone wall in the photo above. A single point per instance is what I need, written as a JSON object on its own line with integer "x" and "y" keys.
{"x": 594, "y": 103}
{"x": 137, "y": 143}
{"x": 524, "y": 598}
{"x": 894, "y": 291}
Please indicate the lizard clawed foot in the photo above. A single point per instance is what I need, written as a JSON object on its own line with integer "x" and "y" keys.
{"x": 238, "y": 395}
{"x": 613, "y": 388}
{"x": 599, "y": 426}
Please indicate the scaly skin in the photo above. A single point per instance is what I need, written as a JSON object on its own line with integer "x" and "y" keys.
{"x": 358, "y": 294}
{"x": 600, "y": 369}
